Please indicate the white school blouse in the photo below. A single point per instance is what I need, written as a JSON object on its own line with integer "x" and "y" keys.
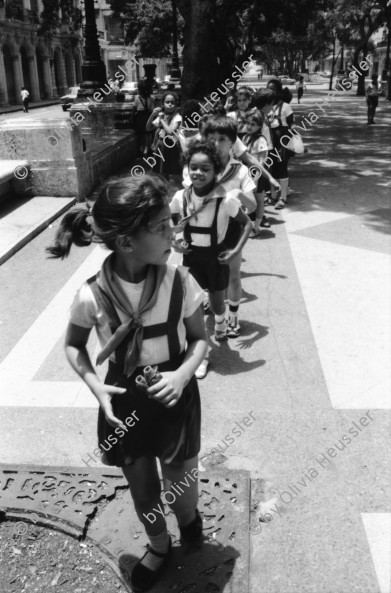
{"x": 229, "y": 207}
{"x": 85, "y": 313}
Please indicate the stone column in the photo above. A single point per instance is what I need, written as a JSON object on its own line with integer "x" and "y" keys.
{"x": 47, "y": 81}
{"x": 74, "y": 80}
{"x": 34, "y": 91}
{"x": 53, "y": 79}
{"x": 17, "y": 77}
{"x": 63, "y": 79}
{"x": 3, "y": 76}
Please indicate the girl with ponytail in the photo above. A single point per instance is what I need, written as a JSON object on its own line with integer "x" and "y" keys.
{"x": 146, "y": 312}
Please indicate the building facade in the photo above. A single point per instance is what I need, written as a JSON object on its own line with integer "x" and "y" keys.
{"x": 47, "y": 65}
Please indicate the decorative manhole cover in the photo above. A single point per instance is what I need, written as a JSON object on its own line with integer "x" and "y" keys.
{"x": 95, "y": 506}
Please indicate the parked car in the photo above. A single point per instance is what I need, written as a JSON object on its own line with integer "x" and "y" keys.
{"x": 287, "y": 80}
{"x": 70, "y": 98}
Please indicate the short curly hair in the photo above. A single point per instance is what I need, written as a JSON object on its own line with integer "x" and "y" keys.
{"x": 205, "y": 147}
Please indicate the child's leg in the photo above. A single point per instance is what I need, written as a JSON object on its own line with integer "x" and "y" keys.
{"x": 259, "y": 214}
{"x": 183, "y": 485}
{"x": 217, "y": 305}
{"x": 144, "y": 484}
{"x": 234, "y": 296}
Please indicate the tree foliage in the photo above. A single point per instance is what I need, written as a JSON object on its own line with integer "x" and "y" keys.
{"x": 50, "y": 19}
{"x": 148, "y": 23}
{"x": 219, "y": 34}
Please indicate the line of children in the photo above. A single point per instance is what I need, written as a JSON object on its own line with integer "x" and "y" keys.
{"x": 205, "y": 211}
{"x": 146, "y": 312}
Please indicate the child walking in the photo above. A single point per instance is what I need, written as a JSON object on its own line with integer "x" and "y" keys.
{"x": 146, "y": 312}
{"x": 300, "y": 88}
{"x": 203, "y": 212}
{"x": 222, "y": 131}
{"x": 256, "y": 144}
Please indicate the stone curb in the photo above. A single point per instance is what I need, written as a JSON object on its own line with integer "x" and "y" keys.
{"x": 31, "y": 232}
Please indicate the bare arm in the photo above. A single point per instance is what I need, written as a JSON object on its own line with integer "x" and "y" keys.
{"x": 149, "y": 126}
{"x": 243, "y": 219}
{"x": 251, "y": 161}
{"x": 170, "y": 129}
{"x": 77, "y": 354}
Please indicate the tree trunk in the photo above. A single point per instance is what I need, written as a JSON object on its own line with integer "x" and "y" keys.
{"x": 199, "y": 77}
{"x": 361, "y": 78}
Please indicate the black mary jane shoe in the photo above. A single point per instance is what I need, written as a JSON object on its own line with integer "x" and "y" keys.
{"x": 142, "y": 578}
{"x": 192, "y": 533}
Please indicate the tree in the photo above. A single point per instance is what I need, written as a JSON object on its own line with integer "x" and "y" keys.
{"x": 359, "y": 21}
{"x": 148, "y": 23}
{"x": 50, "y": 19}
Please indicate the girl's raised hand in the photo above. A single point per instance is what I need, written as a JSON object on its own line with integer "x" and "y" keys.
{"x": 104, "y": 395}
{"x": 168, "y": 390}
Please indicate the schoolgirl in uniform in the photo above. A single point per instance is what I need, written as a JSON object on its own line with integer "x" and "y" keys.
{"x": 256, "y": 144}
{"x": 244, "y": 99}
{"x": 166, "y": 123}
{"x": 146, "y": 313}
{"x": 203, "y": 212}
{"x": 281, "y": 119}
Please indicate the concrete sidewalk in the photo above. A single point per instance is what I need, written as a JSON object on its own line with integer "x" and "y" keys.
{"x": 310, "y": 365}
{"x": 34, "y": 105}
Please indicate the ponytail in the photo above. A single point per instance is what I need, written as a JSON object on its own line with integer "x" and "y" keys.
{"x": 74, "y": 228}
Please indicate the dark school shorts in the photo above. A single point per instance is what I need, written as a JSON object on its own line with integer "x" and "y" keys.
{"x": 234, "y": 232}
{"x": 206, "y": 269}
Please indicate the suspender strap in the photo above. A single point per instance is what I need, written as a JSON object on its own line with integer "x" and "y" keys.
{"x": 200, "y": 230}
{"x": 168, "y": 328}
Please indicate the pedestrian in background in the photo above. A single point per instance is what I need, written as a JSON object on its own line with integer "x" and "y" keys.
{"x": 25, "y": 99}
{"x": 372, "y": 92}
{"x": 300, "y": 88}
{"x": 146, "y": 312}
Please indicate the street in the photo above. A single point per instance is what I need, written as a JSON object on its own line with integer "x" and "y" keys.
{"x": 311, "y": 363}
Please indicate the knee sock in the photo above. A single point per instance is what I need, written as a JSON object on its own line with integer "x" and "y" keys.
{"x": 233, "y": 310}
{"x": 160, "y": 544}
{"x": 220, "y": 322}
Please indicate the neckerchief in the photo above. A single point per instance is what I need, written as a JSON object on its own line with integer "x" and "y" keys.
{"x": 190, "y": 208}
{"x": 133, "y": 326}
